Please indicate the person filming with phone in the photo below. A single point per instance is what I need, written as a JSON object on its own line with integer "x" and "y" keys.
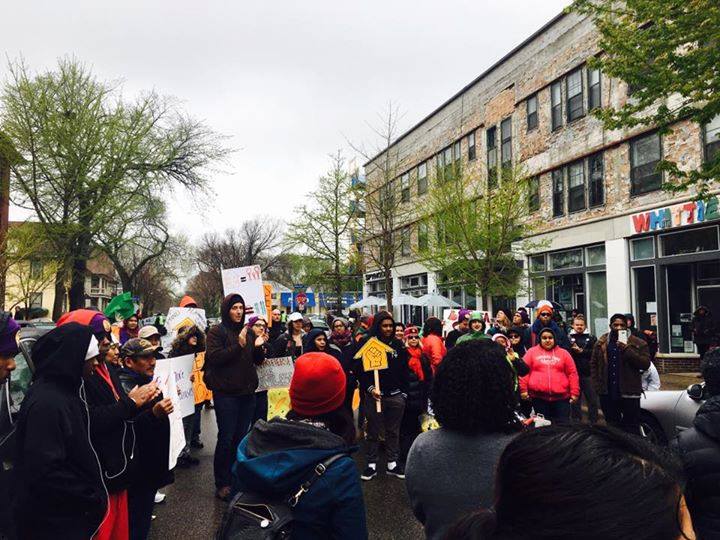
{"x": 616, "y": 365}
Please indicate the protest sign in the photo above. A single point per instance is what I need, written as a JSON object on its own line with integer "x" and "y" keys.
{"x": 247, "y": 282}
{"x": 182, "y": 367}
{"x": 275, "y": 373}
{"x": 166, "y": 382}
{"x": 451, "y": 315}
{"x": 177, "y": 318}
{"x": 278, "y": 403}
{"x": 268, "y": 290}
{"x": 374, "y": 358}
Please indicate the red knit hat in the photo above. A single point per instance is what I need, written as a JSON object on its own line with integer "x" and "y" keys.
{"x": 318, "y": 384}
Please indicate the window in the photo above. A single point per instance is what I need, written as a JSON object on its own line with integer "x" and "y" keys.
{"x": 36, "y": 269}
{"x": 576, "y": 186}
{"x": 595, "y": 255}
{"x": 642, "y": 248}
{"x": 506, "y": 138}
{"x": 36, "y": 299}
{"x": 95, "y": 282}
{"x": 712, "y": 139}
{"x": 457, "y": 152}
{"x": 422, "y": 178}
{"x": 492, "y": 156}
{"x": 645, "y": 154}
{"x": 558, "y": 193}
{"x": 596, "y": 190}
{"x": 556, "y": 104}
{"x": 594, "y": 95}
{"x": 405, "y": 241}
{"x": 471, "y": 147}
{"x": 422, "y": 239}
{"x": 532, "y": 112}
{"x": 448, "y": 161}
{"x": 574, "y": 90}
{"x": 683, "y": 243}
{"x": 537, "y": 263}
{"x": 566, "y": 259}
{"x": 405, "y": 187}
{"x": 534, "y": 194}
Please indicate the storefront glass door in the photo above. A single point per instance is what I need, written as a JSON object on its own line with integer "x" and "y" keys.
{"x": 597, "y": 308}
{"x": 680, "y": 307}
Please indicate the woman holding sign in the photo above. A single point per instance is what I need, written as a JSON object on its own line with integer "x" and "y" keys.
{"x": 230, "y": 360}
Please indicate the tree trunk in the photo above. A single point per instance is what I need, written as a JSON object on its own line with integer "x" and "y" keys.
{"x": 59, "y": 294}
{"x": 79, "y": 270}
{"x": 388, "y": 290}
{"x": 338, "y": 279}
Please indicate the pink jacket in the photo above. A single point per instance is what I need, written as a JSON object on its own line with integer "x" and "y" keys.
{"x": 552, "y": 376}
{"x": 434, "y": 348}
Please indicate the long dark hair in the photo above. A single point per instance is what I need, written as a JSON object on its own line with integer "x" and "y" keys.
{"x": 433, "y": 326}
{"x": 579, "y": 481}
{"x": 340, "y": 422}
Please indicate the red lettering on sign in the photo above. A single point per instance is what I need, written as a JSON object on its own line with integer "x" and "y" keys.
{"x": 641, "y": 222}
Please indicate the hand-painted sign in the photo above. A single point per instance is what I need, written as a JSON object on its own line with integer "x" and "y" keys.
{"x": 374, "y": 354}
{"x": 678, "y": 215}
{"x": 247, "y": 282}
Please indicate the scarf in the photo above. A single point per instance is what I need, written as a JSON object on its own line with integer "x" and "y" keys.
{"x": 341, "y": 339}
{"x": 415, "y": 363}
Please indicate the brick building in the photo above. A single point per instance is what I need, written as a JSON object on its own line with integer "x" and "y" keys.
{"x": 613, "y": 240}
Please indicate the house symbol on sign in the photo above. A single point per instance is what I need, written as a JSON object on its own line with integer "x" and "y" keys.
{"x": 374, "y": 354}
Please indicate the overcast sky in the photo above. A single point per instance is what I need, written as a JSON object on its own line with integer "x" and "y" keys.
{"x": 287, "y": 82}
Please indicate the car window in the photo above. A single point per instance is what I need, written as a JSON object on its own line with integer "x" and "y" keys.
{"x": 19, "y": 382}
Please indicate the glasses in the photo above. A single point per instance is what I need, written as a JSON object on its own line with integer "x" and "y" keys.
{"x": 259, "y": 325}
{"x": 545, "y": 314}
{"x": 413, "y": 337}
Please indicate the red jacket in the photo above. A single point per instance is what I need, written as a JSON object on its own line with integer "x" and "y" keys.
{"x": 434, "y": 348}
{"x": 552, "y": 374}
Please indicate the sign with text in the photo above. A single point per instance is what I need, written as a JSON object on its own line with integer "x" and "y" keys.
{"x": 678, "y": 215}
{"x": 247, "y": 282}
{"x": 275, "y": 373}
{"x": 177, "y": 318}
{"x": 166, "y": 382}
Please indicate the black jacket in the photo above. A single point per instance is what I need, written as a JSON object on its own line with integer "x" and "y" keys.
{"x": 419, "y": 391}
{"x": 395, "y": 378}
{"x": 229, "y": 368}
{"x": 582, "y": 359}
{"x": 452, "y": 338}
{"x": 58, "y": 489}
{"x": 699, "y": 449}
{"x": 152, "y": 439}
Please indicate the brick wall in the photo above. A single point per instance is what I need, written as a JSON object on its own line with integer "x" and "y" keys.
{"x": 683, "y": 364}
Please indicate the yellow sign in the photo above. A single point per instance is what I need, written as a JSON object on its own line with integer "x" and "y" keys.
{"x": 374, "y": 354}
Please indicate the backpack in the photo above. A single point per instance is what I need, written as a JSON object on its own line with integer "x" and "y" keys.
{"x": 251, "y": 516}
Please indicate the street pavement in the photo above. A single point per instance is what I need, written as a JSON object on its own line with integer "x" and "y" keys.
{"x": 191, "y": 511}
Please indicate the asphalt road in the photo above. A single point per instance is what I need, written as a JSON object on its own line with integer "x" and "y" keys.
{"x": 191, "y": 511}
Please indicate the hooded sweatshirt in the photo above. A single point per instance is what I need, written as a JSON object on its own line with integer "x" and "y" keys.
{"x": 230, "y": 368}
{"x": 276, "y": 457}
{"x": 552, "y": 377}
{"x": 560, "y": 336}
{"x": 699, "y": 449}
{"x": 394, "y": 379}
{"x": 58, "y": 485}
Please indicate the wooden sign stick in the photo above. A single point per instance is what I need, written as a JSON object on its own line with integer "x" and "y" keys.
{"x": 378, "y": 405}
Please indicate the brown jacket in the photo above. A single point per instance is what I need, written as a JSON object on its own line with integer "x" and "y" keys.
{"x": 633, "y": 361}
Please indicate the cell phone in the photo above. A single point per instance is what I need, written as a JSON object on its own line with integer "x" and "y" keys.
{"x": 622, "y": 336}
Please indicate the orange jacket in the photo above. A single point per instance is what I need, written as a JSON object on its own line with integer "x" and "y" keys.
{"x": 434, "y": 348}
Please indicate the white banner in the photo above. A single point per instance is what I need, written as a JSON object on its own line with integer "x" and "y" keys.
{"x": 182, "y": 368}
{"x": 165, "y": 379}
{"x": 275, "y": 373}
{"x": 178, "y": 317}
{"x": 247, "y": 282}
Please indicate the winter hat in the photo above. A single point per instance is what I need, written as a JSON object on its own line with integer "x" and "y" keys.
{"x": 188, "y": 301}
{"x": 342, "y": 320}
{"x": 411, "y": 331}
{"x": 8, "y": 332}
{"x": 545, "y": 308}
{"x": 618, "y": 316}
{"x": 308, "y": 340}
{"x": 477, "y": 316}
{"x": 295, "y": 316}
{"x": 499, "y": 336}
{"x": 256, "y": 318}
{"x": 98, "y": 323}
{"x": 463, "y": 314}
{"x": 318, "y": 384}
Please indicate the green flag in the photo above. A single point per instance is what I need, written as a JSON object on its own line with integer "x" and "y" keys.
{"x": 122, "y": 305}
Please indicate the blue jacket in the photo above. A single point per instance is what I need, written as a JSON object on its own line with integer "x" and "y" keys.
{"x": 276, "y": 457}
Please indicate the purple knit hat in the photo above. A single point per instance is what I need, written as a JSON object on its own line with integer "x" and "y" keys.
{"x": 463, "y": 314}
{"x": 8, "y": 330}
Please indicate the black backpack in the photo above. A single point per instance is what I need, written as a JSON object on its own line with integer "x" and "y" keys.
{"x": 251, "y": 516}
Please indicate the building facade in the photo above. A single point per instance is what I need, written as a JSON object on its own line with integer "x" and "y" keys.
{"x": 613, "y": 240}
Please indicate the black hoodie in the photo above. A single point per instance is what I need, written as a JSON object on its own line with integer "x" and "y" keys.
{"x": 229, "y": 368}
{"x": 395, "y": 378}
{"x": 699, "y": 449}
{"x": 58, "y": 488}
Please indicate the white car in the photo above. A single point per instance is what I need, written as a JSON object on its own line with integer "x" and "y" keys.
{"x": 666, "y": 413}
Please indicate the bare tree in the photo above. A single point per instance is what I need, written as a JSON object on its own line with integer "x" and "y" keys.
{"x": 385, "y": 213}
{"x": 203, "y": 287}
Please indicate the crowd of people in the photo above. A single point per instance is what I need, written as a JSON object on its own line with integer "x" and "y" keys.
{"x": 92, "y": 436}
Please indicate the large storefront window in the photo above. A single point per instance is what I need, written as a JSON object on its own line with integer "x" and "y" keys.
{"x": 682, "y": 243}
{"x": 597, "y": 306}
{"x": 566, "y": 259}
{"x": 415, "y": 285}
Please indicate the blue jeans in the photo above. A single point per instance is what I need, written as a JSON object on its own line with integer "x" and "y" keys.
{"x": 558, "y": 412}
{"x": 234, "y": 415}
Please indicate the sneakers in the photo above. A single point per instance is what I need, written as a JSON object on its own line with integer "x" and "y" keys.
{"x": 369, "y": 473}
{"x": 398, "y": 471}
{"x": 159, "y": 497}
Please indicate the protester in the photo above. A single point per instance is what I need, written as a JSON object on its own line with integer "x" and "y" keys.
{"x": 152, "y": 334}
{"x": 518, "y": 365}
{"x": 651, "y": 379}
{"x": 400, "y": 331}
{"x": 365, "y": 322}
{"x": 279, "y": 455}
{"x": 545, "y": 320}
{"x": 502, "y": 322}
{"x": 307, "y": 324}
{"x": 699, "y": 450}
{"x": 704, "y": 331}
{"x": 112, "y": 357}
{"x": 257, "y": 329}
{"x": 188, "y": 302}
{"x": 230, "y": 374}
{"x": 450, "y": 470}
{"x": 477, "y": 328}
{"x": 58, "y": 490}
{"x": 316, "y": 340}
{"x": 432, "y": 342}
{"x": 190, "y": 340}
{"x": 616, "y": 365}
{"x": 290, "y": 342}
{"x": 419, "y": 383}
{"x": 516, "y": 337}
{"x": 582, "y": 482}
{"x": 552, "y": 383}
{"x": 152, "y": 438}
{"x": 277, "y": 326}
{"x": 463, "y": 326}
{"x": 112, "y": 414}
{"x": 342, "y": 339}
{"x": 391, "y": 395}
{"x": 129, "y": 328}
{"x": 582, "y": 343}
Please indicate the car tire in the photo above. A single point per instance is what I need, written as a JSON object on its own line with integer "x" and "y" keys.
{"x": 651, "y": 429}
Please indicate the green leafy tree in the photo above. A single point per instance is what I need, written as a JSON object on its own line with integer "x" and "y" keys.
{"x": 89, "y": 157}
{"x": 668, "y": 52}
{"x": 472, "y": 236}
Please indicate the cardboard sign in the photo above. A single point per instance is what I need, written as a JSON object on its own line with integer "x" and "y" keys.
{"x": 374, "y": 354}
{"x": 247, "y": 282}
{"x": 275, "y": 373}
{"x": 166, "y": 381}
{"x": 177, "y": 318}
{"x": 181, "y": 368}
